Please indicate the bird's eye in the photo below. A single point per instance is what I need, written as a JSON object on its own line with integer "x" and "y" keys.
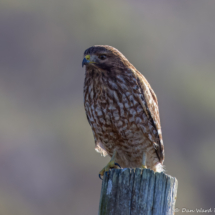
{"x": 102, "y": 57}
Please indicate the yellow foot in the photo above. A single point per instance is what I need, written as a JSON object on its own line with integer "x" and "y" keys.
{"x": 143, "y": 166}
{"x": 109, "y": 166}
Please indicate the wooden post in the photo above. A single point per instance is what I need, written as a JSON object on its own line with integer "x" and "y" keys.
{"x": 137, "y": 192}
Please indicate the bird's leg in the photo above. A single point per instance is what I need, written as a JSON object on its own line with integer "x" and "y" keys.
{"x": 110, "y": 165}
{"x": 143, "y": 166}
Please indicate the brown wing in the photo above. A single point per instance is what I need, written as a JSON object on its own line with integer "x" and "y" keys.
{"x": 149, "y": 102}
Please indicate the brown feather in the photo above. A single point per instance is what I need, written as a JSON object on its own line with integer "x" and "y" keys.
{"x": 122, "y": 110}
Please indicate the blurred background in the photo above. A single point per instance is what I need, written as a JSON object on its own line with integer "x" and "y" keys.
{"x": 48, "y": 165}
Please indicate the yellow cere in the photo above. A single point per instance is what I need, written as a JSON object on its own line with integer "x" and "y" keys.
{"x": 87, "y": 57}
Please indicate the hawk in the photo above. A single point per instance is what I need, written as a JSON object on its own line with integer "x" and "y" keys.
{"x": 122, "y": 110}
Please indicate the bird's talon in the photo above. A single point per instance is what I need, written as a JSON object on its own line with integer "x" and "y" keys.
{"x": 100, "y": 177}
{"x": 116, "y": 164}
{"x": 110, "y": 165}
{"x": 143, "y": 167}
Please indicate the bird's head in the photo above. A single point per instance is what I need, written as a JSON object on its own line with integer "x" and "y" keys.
{"x": 104, "y": 57}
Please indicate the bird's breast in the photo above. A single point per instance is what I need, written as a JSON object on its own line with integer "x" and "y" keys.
{"x": 113, "y": 113}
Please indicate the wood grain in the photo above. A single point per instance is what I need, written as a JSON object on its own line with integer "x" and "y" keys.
{"x": 137, "y": 192}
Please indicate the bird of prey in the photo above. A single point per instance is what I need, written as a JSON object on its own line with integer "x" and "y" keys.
{"x": 122, "y": 110}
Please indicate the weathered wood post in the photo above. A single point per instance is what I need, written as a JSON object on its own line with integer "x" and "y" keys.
{"x": 137, "y": 192}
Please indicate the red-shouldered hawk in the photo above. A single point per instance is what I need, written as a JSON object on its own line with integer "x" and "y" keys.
{"x": 122, "y": 110}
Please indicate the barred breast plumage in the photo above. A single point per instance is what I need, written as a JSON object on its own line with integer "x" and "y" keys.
{"x": 121, "y": 109}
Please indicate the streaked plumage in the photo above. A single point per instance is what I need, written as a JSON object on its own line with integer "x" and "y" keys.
{"x": 122, "y": 109}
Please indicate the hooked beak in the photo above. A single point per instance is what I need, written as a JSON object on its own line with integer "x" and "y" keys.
{"x": 87, "y": 60}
